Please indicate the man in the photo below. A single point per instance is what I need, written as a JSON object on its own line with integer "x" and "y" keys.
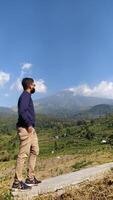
{"x": 28, "y": 138}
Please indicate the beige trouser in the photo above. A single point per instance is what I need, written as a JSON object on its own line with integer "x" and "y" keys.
{"x": 29, "y": 147}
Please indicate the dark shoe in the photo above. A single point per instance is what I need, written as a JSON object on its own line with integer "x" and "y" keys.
{"x": 20, "y": 185}
{"x": 32, "y": 182}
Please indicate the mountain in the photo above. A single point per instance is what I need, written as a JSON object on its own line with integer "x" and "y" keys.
{"x": 94, "y": 112}
{"x": 6, "y": 112}
{"x": 66, "y": 104}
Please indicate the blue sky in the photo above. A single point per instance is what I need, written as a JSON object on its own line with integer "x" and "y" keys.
{"x": 62, "y": 44}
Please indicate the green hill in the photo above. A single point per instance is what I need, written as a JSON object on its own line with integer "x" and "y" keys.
{"x": 94, "y": 112}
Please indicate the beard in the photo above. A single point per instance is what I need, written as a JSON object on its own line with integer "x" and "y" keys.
{"x": 33, "y": 91}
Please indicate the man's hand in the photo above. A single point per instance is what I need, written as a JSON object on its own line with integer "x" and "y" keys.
{"x": 30, "y": 129}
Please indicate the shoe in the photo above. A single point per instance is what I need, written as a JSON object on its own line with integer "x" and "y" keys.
{"x": 32, "y": 182}
{"x": 20, "y": 185}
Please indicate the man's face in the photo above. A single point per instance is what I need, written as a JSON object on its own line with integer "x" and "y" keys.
{"x": 32, "y": 87}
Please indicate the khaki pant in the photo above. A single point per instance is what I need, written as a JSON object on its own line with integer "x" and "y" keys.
{"x": 29, "y": 147}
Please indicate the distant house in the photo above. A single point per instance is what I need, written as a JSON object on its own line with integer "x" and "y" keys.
{"x": 57, "y": 137}
{"x": 103, "y": 142}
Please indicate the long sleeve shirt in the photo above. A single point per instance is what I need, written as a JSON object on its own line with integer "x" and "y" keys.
{"x": 26, "y": 113}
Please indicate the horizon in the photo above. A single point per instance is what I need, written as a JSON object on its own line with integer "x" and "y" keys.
{"x": 78, "y": 95}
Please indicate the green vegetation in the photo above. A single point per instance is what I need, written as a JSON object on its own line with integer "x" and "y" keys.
{"x": 79, "y": 165}
{"x": 6, "y": 195}
{"x": 81, "y": 139}
{"x": 58, "y": 136}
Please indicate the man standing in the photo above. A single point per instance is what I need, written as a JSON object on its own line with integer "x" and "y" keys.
{"x": 28, "y": 138}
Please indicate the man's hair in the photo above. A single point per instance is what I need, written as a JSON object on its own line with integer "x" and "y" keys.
{"x": 26, "y": 82}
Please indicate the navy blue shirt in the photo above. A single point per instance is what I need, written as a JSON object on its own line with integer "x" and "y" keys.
{"x": 26, "y": 113}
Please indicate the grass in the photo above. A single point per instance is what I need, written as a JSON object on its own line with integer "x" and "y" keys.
{"x": 7, "y": 195}
{"x": 100, "y": 189}
{"x": 79, "y": 165}
{"x": 71, "y": 152}
{"x": 53, "y": 166}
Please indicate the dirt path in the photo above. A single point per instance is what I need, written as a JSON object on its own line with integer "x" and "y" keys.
{"x": 60, "y": 182}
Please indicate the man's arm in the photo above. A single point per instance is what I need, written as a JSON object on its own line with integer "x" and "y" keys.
{"x": 23, "y": 109}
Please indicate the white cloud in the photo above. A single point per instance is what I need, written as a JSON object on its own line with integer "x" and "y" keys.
{"x": 26, "y": 66}
{"x": 25, "y": 69}
{"x": 16, "y": 85}
{"x": 103, "y": 89}
{"x": 4, "y": 78}
{"x": 40, "y": 86}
